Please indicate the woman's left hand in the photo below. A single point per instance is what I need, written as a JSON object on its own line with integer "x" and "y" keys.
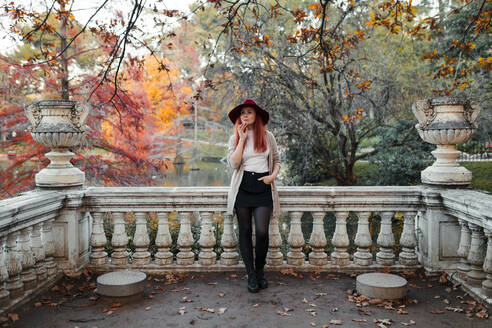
{"x": 268, "y": 179}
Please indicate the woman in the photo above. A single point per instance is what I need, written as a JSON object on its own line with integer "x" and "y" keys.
{"x": 254, "y": 157}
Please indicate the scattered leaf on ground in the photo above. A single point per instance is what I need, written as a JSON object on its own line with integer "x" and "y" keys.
{"x": 335, "y": 322}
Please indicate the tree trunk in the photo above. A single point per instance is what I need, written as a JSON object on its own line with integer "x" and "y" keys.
{"x": 64, "y": 61}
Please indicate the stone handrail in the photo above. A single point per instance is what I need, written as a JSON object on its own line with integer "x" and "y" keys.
{"x": 27, "y": 245}
{"x": 113, "y": 203}
{"x": 473, "y": 210}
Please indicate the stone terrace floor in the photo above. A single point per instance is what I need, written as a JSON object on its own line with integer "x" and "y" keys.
{"x": 222, "y": 300}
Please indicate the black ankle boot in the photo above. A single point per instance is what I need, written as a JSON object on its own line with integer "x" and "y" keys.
{"x": 252, "y": 283}
{"x": 262, "y": 282}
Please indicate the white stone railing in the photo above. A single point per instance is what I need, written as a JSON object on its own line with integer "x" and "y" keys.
{"x": 473, "y": 211}
{"x": 27, "y": 264}
{"x": 112, "y": 204}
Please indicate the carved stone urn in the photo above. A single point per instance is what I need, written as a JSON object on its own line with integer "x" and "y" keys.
{"x": 59, "y": 125}
{"x": 446, "y": 122}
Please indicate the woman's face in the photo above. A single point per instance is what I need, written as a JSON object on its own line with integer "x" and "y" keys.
{"x": 248, "y": 115}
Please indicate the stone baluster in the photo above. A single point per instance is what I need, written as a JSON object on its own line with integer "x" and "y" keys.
{"x": 141, "y": 240}
{"x": 318, "y": 241}
{"x": 463, "y": 250}
{"x": 386, "y": 240}
{"x": 163, "y": 240}
{"x": 476, "y": 256}
{"x": 28, "y": 275}
{"x": 363, "y": 240}
{"x": 274, "y": 256}
{"x": 487, "y": 266}
{"x": 49, "y": 245}
{"x": 185, "y": 240}
{"x": 39, "y": 251}
{"x": 229, "y": 255}
{"x": 4, "y": 275}
{"x": 119, "y": 241}
{"x": 408, "y": 240}
{"x": 295, "y": 256}
{"x": 207, "y": 255}
{"x": 14, "y": 266}
{"x": 340, "y": 240}
{"x": 98, "y": 240}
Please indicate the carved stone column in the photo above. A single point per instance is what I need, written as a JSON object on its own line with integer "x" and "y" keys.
{"x": 39, "y": 251}
{"x": 14, "y": 267}
{"x": 119, "y": 241}
{"x": 274, "y": 256}
{"x": 340, "y": 240}
{"x": 98, "y": 240}
{"x": 185, "y": 240}
{"x": 4, "y": 275}
{"x": 229, "y": 242}
{"x": 163, "y": 240}
{"x": 363, "y": 240}
{"x": 49, "y": 244}
{"x": 28, "y": 274}
{"x": 476, "y": 256}
{"x": 487, "y": 266}
{"x": 408, "y": 240}
{"x": 207, "y": 255}
{"x": 295, "y": 256}
{"x": 386, "y": 240}
{"x": 318, "y": 241}
{"x": 464, "y": 249}
{"x": 141, "y": 240}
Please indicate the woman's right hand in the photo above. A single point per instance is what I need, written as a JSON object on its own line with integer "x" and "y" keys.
{"x": 241, "y": 130}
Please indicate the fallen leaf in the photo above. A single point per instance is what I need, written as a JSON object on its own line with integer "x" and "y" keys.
{"x": 109, "y": 312}
{"x": 13, "y": 316}
{"x": 37, "y": 304}
{"x": 312, "y": 324}
{"x": 359, "y": 320}
{"x": 256, "y": 305}
{"x": 334, "y": 310}
{"x": 147, "y": 308}
{"x": 304, "y": 300}
{"x": 411, "y": 323}
{"x": 182, "y": 310}
{"x": 454, "y": 309}
{"x": 222, "y": 310}
{"x": 443, "y": 278}
{"x": 482, "y": 314}
{"x": 312, "y": 304}
{"x": 401, "y": 311}
{"x": 437, "y": 312}
{"x": 212, "y": 283}
{"x": 205, "y": 309}
{"x": 446, "y": 301}
{"x": 221, "y": 294}
{"x": 414, "y": 286}
{"x": 335, "y": 322}
{"x": 55, "y": 288}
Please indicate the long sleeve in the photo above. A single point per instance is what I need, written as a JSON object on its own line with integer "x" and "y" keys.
{"x": 230, "y": 151}
{"x": 275, "y": 155}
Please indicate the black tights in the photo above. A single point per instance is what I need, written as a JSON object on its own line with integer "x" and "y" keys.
{"x": 262, "y": 221}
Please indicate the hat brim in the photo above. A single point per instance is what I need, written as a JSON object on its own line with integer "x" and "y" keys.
{"x": 236, "y": 112}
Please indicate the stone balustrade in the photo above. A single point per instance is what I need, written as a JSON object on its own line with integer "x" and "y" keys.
{"x": 186, "y": 229}
{"x": 116, "y": 211}
{"x": 27, "y": 264}
{"x": 473, "y": 211}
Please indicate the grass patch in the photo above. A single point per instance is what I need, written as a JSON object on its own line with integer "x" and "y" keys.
{"x": 482, "y": 174}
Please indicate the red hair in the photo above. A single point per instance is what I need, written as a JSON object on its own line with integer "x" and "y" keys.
{"x": 259, "y": 134}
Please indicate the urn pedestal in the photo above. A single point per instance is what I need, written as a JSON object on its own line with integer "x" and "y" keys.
{"x": 58, "y": 125}
{"x": 446, "y": 122}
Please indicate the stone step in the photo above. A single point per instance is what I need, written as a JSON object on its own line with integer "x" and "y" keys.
{"x": 381, "y": 285}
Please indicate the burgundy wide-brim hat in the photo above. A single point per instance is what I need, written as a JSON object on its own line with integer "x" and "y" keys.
{"x": 236, "y": 111}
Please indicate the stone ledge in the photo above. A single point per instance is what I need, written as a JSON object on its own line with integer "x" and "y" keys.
{"x": 474, "y": 292}
{"x": 174, "y": 268}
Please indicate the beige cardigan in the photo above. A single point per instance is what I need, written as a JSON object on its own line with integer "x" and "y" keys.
{"x": 237, "y": 176}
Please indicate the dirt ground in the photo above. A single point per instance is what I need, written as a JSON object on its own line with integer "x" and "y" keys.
{"x": 222, "y": 300}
